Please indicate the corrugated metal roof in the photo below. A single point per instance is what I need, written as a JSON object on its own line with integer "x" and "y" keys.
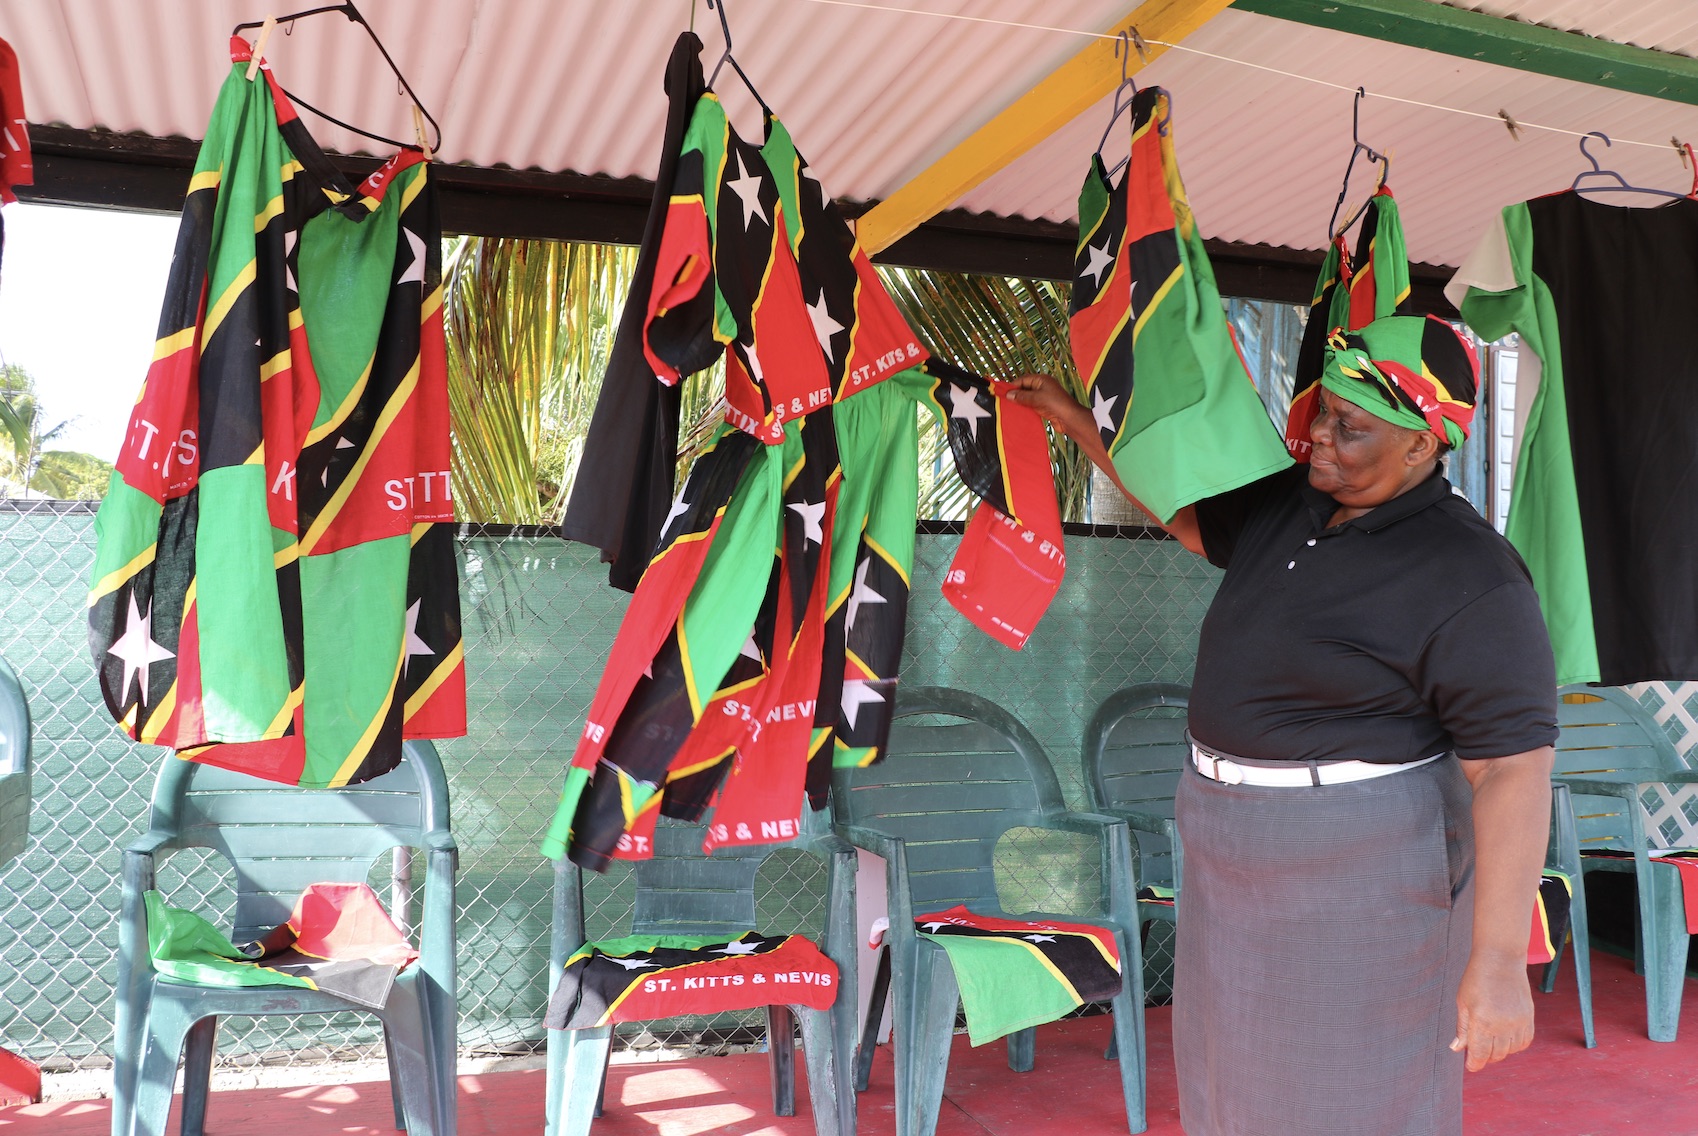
{"x": 873, "y": 97}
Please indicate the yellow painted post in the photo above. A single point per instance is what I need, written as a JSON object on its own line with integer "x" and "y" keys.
{"x": 1061, "y": 97}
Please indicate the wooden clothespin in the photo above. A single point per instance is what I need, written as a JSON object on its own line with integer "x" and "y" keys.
{"x": 265, "y": 30}
{"x": 419, "y": 131}
{"x": 1139, "y": 45}
{"x": 1679, "y": 148}
{"x": 1514, "y": 126}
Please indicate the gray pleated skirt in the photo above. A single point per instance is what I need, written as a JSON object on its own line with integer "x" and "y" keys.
{"x": 1322, "y": 937}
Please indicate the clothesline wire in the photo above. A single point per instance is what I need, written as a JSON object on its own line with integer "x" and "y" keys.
{"x": 1518, "y": 124}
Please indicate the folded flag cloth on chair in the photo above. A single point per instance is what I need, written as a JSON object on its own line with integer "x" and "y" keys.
{"x": 643, "y": 977}
{"x": 1015, "y": 973}
{"x": 339, "y": 939}
{"x": 1154, "y": 893}
{"x": 1686, "y": 860}
{"x": 1551, "y": 912}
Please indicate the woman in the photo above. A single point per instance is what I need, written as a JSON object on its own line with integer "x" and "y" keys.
{"x": 1372, "y": 718}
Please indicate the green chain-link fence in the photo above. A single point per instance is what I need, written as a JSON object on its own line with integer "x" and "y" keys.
{"x": 539, "y": 618}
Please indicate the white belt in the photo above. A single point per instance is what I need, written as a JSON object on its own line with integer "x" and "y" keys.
{"x": 1299, "y": 773}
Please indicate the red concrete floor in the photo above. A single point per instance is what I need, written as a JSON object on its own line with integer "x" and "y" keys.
{"x": 1627, "y": 1086}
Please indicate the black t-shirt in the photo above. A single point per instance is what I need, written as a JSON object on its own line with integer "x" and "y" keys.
{"x": 1406, "y": 632}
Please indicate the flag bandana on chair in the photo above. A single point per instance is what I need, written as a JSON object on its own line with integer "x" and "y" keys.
{"x": 339, "y": 939}
{"x": 1014, "y": 973}
{"x": 762, "y": 644}
{"x": 275, "y": 588}
{"x": 1150, "y": 339}
{"x": 643, "y": 977}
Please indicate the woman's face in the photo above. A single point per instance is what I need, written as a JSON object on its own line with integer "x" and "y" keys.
{"x": 1361, "y": 460}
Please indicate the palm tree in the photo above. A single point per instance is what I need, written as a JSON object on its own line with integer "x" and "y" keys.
{"x": 530, "y": 325}
{"x": 27, "y": 467}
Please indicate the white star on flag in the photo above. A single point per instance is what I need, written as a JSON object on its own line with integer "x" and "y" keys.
{"x": 289, "y": 239}
{"x": 754, "y": 363}
{"x": 632, "y": 964}
{"x": 963, "y": 405}
{"x": 857, "y": 692}
{"x": 415, "y": 270}
{"x": 673, "y": 514}
{"x": 1100, "y": 408}
{"x": 812, "y": 513}
{"x": 931, "y": 928}
{"x": 1099, "y": 261}
{"x": 863, "y": 594}
{"x": 751, "y": 651}
{"x": 137, "y": 649}
{"x": 739, "y": 948}
{"x": 747, "y": 186}
{"x": 824, "y": 326}
{"x": 415, "y": 645}
{"x": 1040, "y": 938}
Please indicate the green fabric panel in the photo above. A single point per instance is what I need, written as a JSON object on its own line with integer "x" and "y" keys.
{"x": 244, "y": 661}
{"x": 644, "y": 944}
{"x": 559, "y": 832}
{"x": 1544, "y": 511}
{"x": 782, "y": 159}
{"x": 1093, "y": 205}
{"x": 727, "y": 594}
{"x": 354, "y": 606}
{"x": 1390, "y": 256}
{"x": 1004, "y": 986}
{"x": 878, "y": 436}
{"x": 709, "y": 133}
{"x": 126, "y": 526}
{"x": 344, "y": 274}
{"x": 188, "y": 948}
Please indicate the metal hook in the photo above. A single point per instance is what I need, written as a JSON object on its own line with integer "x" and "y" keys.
{"x": 1357, "y": 147}
{"x": 1587, "y": 154}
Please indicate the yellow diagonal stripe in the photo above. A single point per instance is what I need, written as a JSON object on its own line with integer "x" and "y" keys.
{"x": 440, "y": 675}
{"x": 391, "y": 411}
{"x": 116, "y": 578}
{"x": 227, "y": 299}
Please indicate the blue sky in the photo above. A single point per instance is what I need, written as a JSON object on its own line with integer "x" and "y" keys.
{"x": 80, "y": 291}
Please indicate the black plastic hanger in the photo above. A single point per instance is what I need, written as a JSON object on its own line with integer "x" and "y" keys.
{"x": 1622, "y": 185}
{"x": 1357, "y": 147}
{"x": 726, "y": 56}
{"x": 347, "y": 9}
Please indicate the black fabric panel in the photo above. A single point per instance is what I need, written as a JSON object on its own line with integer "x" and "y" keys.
{"x": 625, "y": 494}
{"x": 1624, "y": 282}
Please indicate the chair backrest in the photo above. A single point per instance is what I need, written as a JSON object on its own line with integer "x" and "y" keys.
{"x": 682, "y": 891}
{"x": 950, "y": 790}
{"x": 280, "y": 838}
{"x": 1134, "y": 751}
{"x": 14, "y": 765}
{"x": 1607, "y": 735}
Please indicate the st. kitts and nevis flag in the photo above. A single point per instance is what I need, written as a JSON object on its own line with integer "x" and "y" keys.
{"x": 339, "y": 939}
{"x": 642, "y": 977}
{"x": 274, "y": 587}
{"x": 1350, "y": 293}
{"x": 763, "y": 640}
{"x": 1015, "y": 973}
{"x": 1173, "y": 401}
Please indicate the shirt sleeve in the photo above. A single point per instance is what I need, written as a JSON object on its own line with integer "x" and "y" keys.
{"x": 1492, "y": 288}
{"x": 1222, "y": 517}
{"x": 1488, "y": 675}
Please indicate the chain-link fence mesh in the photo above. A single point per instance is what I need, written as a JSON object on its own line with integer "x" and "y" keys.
{"x": 539, "y": 619}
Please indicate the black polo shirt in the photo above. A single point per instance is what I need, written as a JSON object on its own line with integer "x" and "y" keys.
{"x": 1411, "y": 630}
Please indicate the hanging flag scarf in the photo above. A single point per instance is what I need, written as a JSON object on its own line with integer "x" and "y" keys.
{"x": 643, "y": 977}
{"x": 761, "y": 646}
{"x": 1174, "y": 405}
{"x": 275, "y": 588}
{"x": 1349, "y": 295}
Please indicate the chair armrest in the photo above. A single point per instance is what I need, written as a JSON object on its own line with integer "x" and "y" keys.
{"x": 149, "y": 843}
{"x": 829, "y": 844}
{"x": 874, "y": 841}
{"x": 1582, "y": 786}
{"x": 1119, "y": 861}
{"x": 1143, "y": 822}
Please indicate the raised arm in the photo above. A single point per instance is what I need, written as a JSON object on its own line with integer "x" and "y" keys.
{"x": 1053, "y": 404}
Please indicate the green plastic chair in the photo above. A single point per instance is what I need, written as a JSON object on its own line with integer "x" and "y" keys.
{"x": 1614, "y": 758}
{"x": 279, "y": 839}
{"x": 934, "y": 809}
{"x": 14, "y": 766}
{"x": 1134, "y": 752}
{"x": 682, "y": 892}
{"x": 1563, "y": 855}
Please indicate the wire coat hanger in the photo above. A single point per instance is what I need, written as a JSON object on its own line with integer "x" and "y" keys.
{"x": 1334, "y": 229}
{"x": 726, "y": 56}
{"x": 347, "y": 8}
{"x": 1125, "y": 43}
{"x": 1622, "y": 184}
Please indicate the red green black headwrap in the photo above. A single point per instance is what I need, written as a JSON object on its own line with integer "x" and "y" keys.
{"x": 1412, "y": 371}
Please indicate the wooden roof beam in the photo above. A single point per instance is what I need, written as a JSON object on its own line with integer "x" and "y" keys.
{"x": 1071, "y": 89}
{"x": 1493, "y": 39}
